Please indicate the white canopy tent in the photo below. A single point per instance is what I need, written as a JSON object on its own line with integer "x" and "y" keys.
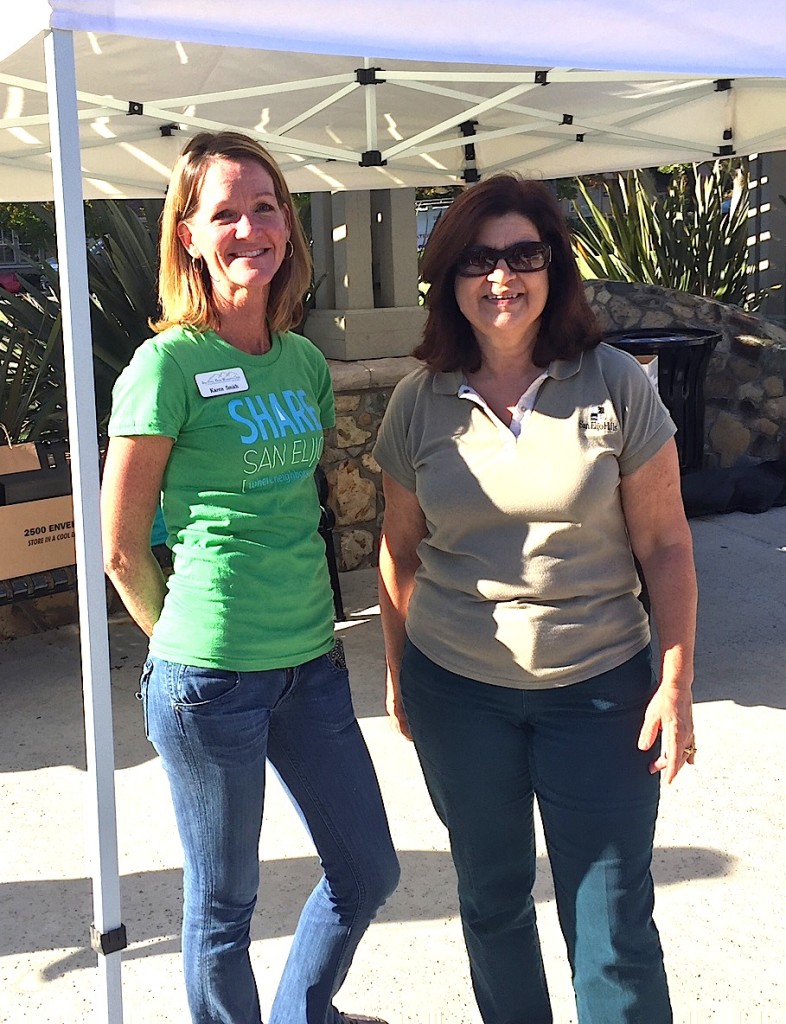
{"x": 370, "y": 119}
{"x": 97, "y": 97}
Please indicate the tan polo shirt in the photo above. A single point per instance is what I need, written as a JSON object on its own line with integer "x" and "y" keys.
{"x": 526, "y": 578}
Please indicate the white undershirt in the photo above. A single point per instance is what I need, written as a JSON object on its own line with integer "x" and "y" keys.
{"x": 520, "y": 414}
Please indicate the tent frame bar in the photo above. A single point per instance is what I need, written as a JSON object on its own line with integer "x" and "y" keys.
{"x": 677, "y": 89}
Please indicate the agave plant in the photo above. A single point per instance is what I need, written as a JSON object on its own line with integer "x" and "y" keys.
{"x": 122, "y": 269}
{"x": 32, "y": 399}
{"x": 694, "y": 238}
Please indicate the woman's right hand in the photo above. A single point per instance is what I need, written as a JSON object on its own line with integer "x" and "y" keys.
{"x": 394, "y": 705}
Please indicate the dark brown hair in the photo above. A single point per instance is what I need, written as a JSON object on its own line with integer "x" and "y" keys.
{"x": 567, "y": 326}
{"x": 183, "y": 284}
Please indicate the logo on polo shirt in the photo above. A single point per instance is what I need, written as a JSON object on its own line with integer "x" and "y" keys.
{"x": 598, "y": 417}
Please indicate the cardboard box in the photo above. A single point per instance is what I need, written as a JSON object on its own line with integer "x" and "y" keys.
{"x": 36, "y": 536}
{"x": 32, "y": 472}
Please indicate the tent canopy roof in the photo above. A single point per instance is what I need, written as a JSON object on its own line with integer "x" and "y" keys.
{"x": 329, "y": 130}
{"x": 714, "y": 39}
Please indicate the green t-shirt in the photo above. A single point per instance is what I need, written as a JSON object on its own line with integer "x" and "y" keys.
{"x": 250, "y": 589}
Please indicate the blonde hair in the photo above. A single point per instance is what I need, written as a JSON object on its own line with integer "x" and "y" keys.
{"x": 184, "y": 287}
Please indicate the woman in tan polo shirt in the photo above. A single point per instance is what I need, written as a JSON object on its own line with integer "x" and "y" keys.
{"x": 524, "y": 465}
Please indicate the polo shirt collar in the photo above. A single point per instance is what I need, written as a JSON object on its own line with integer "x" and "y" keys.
{"x": 448, "y": 383}
{"x": 560, "y": 369}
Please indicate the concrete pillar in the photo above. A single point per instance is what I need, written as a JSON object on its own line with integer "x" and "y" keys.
{"x": 366, "y": 243}
{"x": 394, "y": 242}
{"x": 322, "y": 249}
{"x": 767, "y": 248}
{"x": 352, "y": 250}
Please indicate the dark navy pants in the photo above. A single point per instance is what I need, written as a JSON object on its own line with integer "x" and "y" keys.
{"x": 486, "y": 752}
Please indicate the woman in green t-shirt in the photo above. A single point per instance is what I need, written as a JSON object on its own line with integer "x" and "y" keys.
{"x": 221, "y": 415}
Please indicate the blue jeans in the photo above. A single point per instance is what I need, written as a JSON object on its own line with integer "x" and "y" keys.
{"x": 214, "y": 731}
{"x": 486, "y": 752}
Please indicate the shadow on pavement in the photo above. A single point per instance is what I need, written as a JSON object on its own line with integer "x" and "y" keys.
{"x": 56, "y": 913}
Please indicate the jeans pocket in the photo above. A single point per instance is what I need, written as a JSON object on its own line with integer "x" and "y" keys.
{"x": 194, "y": 687}
{"x": 336, "y": 656}
{"x": 628, "y": 686}
{"x": 141, "y": 695}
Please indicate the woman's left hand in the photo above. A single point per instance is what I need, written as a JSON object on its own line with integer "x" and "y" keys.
{"x": 670, "y": 714}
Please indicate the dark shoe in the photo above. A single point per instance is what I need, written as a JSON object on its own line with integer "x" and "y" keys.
{"x": 360, "y": 1018}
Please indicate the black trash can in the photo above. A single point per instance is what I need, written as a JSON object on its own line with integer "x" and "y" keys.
{"x": 683, "y": 355}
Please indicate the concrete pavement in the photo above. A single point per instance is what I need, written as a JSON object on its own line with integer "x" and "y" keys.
{"x": 719, "y": 863}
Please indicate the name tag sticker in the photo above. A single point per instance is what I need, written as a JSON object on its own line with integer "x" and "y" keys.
{"x": 221, "y": 382}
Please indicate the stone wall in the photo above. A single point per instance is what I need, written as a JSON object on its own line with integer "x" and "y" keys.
{"x": 745, "y": 400}
{"x": 362, "y": 393}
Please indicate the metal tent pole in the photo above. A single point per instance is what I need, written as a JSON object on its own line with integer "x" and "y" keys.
{"x": 107, "y": 933}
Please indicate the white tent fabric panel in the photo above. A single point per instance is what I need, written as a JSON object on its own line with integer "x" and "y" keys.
{"x": 26, "y": 22}
{"x": 719, "y": 38}
{"x": 319, "y": 120}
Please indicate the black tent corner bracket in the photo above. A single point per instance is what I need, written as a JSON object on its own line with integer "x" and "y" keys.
{"x": 368, "y": 76}
{"x": 108, "y": 942}
{"x": 371, "y": 158}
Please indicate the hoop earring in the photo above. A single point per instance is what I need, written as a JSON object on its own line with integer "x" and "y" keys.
{"x": 291, "y": 253}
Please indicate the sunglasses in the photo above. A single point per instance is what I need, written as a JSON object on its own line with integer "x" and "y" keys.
{"x": 521, "y": 258}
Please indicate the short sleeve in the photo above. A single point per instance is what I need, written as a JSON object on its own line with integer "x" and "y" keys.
{"x": 393, "y": 446}
{"x": 645, "y": 420}
{"x": 149, "y": 396}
